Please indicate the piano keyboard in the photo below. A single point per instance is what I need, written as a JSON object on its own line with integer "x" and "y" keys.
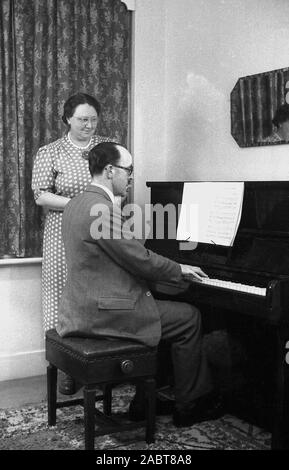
{"x": 234, "y": 286}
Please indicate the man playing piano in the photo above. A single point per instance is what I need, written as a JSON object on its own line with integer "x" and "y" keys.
{"x": 107, "y": 294}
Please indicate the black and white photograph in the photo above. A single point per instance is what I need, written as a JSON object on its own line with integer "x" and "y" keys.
{"x": 144, "y": 228}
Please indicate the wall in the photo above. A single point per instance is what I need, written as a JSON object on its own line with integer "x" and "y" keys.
{"x": 189, "y": 55}
{"x": 148, "y": 88}
{"x": 22, "y": 341}
{"x": 211, "y": 44}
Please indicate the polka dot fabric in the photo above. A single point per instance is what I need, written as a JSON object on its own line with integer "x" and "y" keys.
{"x": 59, "y": 168}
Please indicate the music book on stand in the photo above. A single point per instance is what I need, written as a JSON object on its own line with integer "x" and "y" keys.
{"x": 210, "y": 212}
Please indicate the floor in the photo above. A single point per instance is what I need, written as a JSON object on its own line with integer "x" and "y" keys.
{"x": 27, "y": 391}
{"x": 28, "y": 430}
{"x": 19, "y": 392}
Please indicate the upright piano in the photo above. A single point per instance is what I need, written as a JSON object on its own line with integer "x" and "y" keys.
{"x": 249, "y": 280}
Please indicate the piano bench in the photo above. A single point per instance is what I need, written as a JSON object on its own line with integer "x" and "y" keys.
{"x": 98, "y": 364}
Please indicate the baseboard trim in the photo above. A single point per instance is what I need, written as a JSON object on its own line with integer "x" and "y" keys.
{"x": 23, "y": 364}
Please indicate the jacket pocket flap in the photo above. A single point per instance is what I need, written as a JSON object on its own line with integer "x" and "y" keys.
{"x": 115, "y": 303}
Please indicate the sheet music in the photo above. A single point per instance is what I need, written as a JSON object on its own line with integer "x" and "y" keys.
{"x": 210, "y": 212}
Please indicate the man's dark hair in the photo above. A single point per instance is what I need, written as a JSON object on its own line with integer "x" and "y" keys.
{"x": 281, "y": 115}
{"x": 101, "y": 155}
{"x": 75, "y": 100}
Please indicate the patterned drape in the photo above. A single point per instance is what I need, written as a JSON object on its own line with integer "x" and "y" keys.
{"x": 254, "y": 101}
{"x": 50, "y": 50}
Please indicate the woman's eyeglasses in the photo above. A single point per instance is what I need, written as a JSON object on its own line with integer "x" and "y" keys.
{"x": 86, "y": 120}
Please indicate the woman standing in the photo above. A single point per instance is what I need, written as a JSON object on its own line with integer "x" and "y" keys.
{"x": 60, "y": 172}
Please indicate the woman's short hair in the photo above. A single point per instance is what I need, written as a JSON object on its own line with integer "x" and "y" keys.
{"x": 281, "y": 115}
{"x": 74, "y": 101}
{"x": 101, "y": 155}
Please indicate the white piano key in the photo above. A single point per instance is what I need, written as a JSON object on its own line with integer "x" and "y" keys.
{"x": 235, "y": 286}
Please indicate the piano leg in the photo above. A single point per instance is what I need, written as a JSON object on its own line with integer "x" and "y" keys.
{"x": 280, "y": 434}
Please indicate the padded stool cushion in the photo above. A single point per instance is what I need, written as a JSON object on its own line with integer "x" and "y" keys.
{"x": 97, "y": 360}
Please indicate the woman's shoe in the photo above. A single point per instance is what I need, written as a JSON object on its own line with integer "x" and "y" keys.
{"x": 67, "y": 385}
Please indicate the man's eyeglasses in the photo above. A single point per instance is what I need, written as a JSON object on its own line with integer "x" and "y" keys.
{"x": 128, "y": 169}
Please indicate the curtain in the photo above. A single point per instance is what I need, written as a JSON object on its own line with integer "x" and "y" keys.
{"x": 49, "y": 50}
{"x": 254, "y": 101}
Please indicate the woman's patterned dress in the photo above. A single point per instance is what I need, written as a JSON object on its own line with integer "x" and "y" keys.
{"x": 60, "y": 168}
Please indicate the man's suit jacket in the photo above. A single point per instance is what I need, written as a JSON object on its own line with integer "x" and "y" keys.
{"x": 106, "y": 292}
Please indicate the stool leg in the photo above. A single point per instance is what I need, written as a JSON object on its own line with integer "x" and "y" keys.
{"x": 89, "y": 419}
{"x": 151, "y": 410}
{"x": 107, "y": 399}
{"x": 51, "y": 393}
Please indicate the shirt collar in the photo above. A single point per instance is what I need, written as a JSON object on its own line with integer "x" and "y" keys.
{"x": 106, "y": 190}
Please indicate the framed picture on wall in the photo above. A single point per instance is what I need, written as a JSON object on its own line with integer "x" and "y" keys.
{"x": 260, "y": 109}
